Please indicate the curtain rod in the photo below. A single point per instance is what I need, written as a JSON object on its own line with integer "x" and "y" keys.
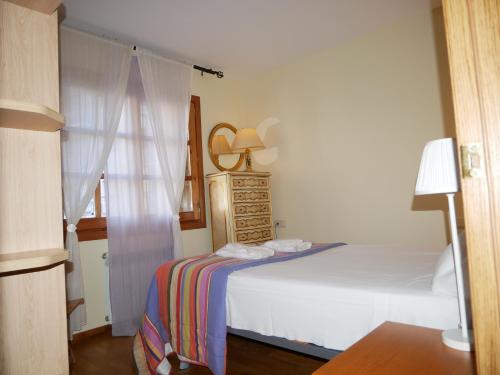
{"x": 202, "y": 69}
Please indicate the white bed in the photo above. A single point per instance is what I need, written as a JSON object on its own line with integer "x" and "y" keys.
{"x": 335, "y": 297}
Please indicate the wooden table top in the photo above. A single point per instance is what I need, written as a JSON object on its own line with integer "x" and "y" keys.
{"x": 395, "y": 349}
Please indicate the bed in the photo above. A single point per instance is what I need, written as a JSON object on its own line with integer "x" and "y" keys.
{"x": 339, "y": 295}
{"x": 318, "y": 303}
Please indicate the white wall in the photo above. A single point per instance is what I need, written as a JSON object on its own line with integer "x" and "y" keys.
{"x": 352, "y": 124}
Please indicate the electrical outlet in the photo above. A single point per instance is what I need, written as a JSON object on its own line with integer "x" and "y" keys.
{"x": 280, "y": 223}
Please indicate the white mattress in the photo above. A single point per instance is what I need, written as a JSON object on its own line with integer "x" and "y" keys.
{"x": 335, "y": 297}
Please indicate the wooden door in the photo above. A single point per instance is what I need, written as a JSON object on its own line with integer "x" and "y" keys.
{"x": 473, "y": 36}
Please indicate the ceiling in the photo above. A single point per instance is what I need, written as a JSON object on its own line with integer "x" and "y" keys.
{"x": 241, "y": 37}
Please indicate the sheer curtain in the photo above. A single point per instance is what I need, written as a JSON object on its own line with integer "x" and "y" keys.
{"x": 94, "y": 75}
{"x": 139, "y": 218}
{"x": 167, "y": 85}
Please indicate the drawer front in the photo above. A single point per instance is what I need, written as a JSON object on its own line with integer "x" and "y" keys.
{"x": 252, "y": 222}
{"x": 250, "y": 182}
{"x": 254, "y": 235}
{"x": 250, "y": 195}
{"x": 242, "y": 209}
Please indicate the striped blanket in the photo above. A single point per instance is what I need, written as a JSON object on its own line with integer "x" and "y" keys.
{"x": 186, "y": 309}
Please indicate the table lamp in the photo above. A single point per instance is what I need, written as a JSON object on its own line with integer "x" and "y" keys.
{"x": 247, "y": 140}
{"x": 438, "y": 175}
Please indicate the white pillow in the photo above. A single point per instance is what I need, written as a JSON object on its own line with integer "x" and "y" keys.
{"x": 444, "y": 280}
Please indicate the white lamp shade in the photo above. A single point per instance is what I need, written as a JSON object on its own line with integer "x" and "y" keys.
{"x": 438, "y": 173}
{"x": 247, "y": 138}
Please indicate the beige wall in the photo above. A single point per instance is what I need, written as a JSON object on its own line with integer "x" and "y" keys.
{"x": 352, "y": 124}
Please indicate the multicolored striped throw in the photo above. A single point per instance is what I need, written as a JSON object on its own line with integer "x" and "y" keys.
{"x": 186, "y": 308}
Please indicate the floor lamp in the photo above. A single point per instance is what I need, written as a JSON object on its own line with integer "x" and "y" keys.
{"x": 438, "y": 174}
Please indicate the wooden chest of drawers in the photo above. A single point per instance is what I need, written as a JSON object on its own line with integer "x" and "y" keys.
{"x": 240, "y": 206}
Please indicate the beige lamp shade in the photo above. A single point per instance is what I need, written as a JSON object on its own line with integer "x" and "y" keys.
{"x": 220, "y": 145}
{"x": 247, "y": 139}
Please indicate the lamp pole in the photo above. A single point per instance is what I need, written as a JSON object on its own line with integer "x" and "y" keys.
{"x": 457, "y": 256}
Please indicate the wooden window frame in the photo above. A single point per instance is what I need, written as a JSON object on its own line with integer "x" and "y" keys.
{"x": 96, "y": 228}
{"x": 195, "y": 219}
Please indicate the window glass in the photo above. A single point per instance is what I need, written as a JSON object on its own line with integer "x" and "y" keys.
{"x": 103, "y": 197}
{"x": 187, "y": 197}
{"x": 90, "y": 210}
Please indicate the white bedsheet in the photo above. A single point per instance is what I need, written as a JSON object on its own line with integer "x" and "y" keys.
{"x": 335, "y": 297}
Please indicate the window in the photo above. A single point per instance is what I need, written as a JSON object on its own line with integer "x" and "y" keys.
{"x": 93, "y": 226}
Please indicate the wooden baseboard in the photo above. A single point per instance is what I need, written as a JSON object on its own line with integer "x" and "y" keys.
{"x": 77, "y": 337}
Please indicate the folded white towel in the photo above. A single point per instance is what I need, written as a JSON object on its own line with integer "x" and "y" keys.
{"x": 288, "y": 245}
{"x": 286, "y": 242}
{"x": 238, "y": 250}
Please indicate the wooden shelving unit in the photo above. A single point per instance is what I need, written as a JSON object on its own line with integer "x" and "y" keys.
{"x": 32, "y": 270}
{"x": 21, "y": 115}
{"x": 26, "y": 260}
{"x": 44, "y": 6}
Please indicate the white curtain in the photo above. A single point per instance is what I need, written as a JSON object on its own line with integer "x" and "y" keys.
{"x": 140, "y": 236}
{"x": 167, "y": 85}
{"x": 94, "y": 75}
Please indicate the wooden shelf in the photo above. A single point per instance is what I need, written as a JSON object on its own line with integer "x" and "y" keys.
{"x": 29, "y": 116}
{"x": 44, "y": 6}
{"x": 25, "y": 260}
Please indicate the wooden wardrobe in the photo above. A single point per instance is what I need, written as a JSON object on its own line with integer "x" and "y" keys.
{"x": 33, "y": 328}
{"x": 240, "y": 207}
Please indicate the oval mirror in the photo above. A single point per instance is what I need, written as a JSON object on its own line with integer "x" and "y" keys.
{"x": 219, "y": 148}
